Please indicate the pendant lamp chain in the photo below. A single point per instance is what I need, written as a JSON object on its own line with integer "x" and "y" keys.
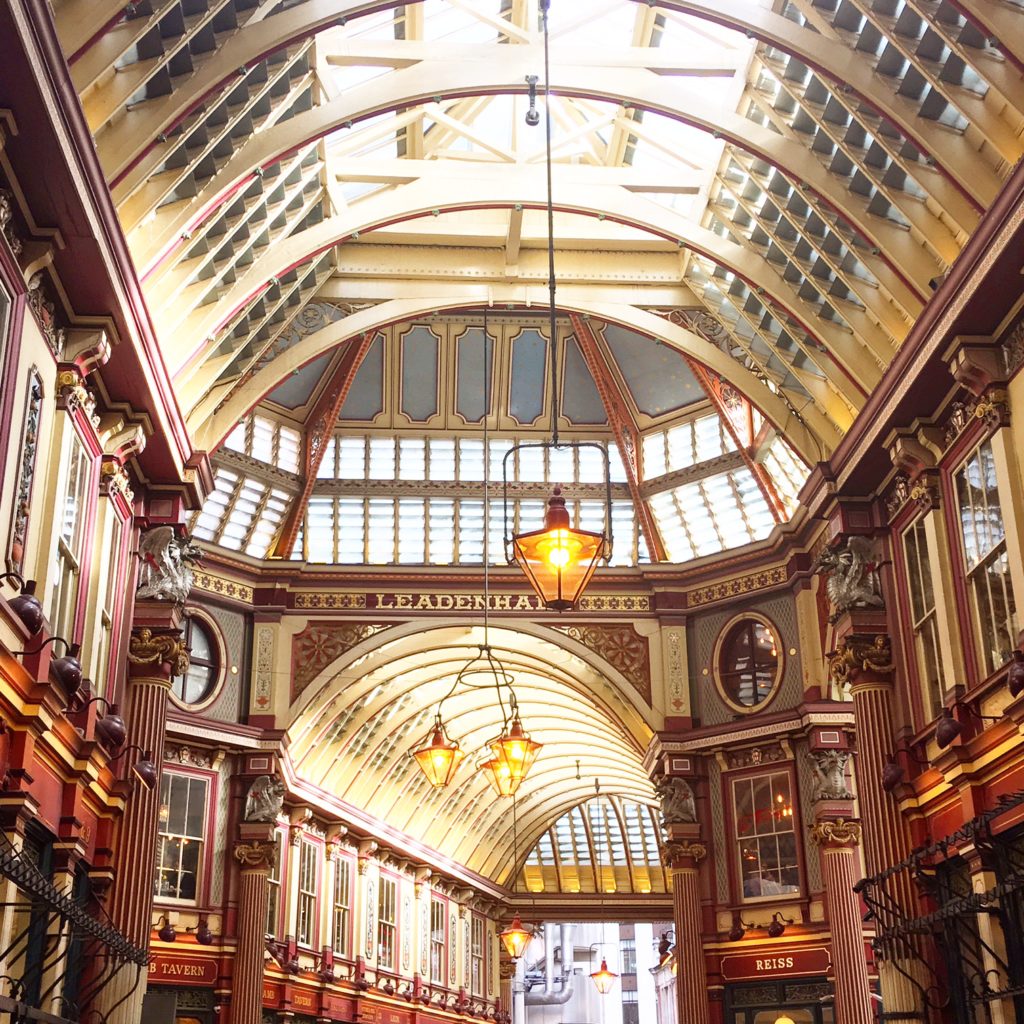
{"x": 555, "y": 393}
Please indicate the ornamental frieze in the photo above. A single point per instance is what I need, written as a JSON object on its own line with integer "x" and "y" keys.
{"x": 218, "y": 585}
{"x": 737, "y": 586}
{"x": 44, "y": 308}
{"x": 622, "y": 647}
{"x": 992, "y": 407}
{"x": 754, "y": 756}
{"x": 322, "y": 643}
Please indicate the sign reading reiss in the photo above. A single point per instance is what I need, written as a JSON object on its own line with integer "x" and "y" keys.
{"x": 778, "y": 963}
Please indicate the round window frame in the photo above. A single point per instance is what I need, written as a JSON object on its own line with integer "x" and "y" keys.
{"x": 780, "y": 668}
{"x": 220, "y": 674}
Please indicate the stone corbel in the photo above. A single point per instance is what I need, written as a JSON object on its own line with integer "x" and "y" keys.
{"x": 975, "y": 362}
{"x": 909, "y": 454}
{"x": 86, "y": 349}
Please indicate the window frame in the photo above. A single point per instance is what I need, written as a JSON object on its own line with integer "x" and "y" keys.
{"x": 970, "y": 571}
{"x": 348, "y": 864}
{"x": 219, "y": 664}
{"x": 719, "y": 650}
{"x": 275, "y": 885}
{"x": 203, "y": 859}
{"x": 735, "y": 840}
{"x": 307, "y": 902}
{"x": 438, "y": 947}
{"x": 387, "y": 926}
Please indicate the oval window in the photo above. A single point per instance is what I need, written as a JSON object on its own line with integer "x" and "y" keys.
{"x": 198, "y": 682}
{"x": 749, "y": 664}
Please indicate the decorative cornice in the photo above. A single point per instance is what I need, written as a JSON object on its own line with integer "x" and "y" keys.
{"x": 837, "y": 832}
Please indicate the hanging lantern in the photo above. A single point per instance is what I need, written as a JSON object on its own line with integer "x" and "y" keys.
{"x": 515, "y": 938}
{"x": 498, "y": 775}
{"x": 439, "y": 759}
{"x": 515, "y": 751}
{"x": 558, "y": 560}
{"x": 604, "y": 979}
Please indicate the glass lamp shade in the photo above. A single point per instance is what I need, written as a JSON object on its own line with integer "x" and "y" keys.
{"x": 558, "y": 560}
{"x": 603, "y": 978}
{"x": 947, "y": 729}
{"x": 515, "y": 938}
{"x": 440, "y": 758}
{"x": 500, "y": 778}
{"x": 515, "y": 751}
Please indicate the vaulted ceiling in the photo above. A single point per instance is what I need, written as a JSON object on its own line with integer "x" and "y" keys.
{"x": 802, "y": 172}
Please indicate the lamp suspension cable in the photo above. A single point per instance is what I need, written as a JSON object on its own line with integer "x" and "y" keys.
{"x": 555, "y": 403}
{"x": 487, "y": 493}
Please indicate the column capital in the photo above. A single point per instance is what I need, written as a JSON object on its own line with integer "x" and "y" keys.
{"x": 157, "y": 655}
{"x": 686, "y": 853}
{"x": 862, "y": 660}
{"x": 836, "y": 832}
{"x": 254, "y": 854}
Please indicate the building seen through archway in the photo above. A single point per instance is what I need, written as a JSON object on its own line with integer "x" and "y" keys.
{"x": 510, "y": 510}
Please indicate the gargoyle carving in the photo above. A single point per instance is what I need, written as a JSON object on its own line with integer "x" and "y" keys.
{"x": 830, "y": 774}
{"x": 677, "y": 803}
{"x": 265, "y": 798}
{"x": 852, "y": 576}
{"x": 167, "y": 557}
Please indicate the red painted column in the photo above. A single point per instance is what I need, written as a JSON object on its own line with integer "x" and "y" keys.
{"x": 156, "y": 651}
{"x": 837, "y": 838}
{"x": 683, "y": 857}
{"x": 255, "y": 853}
{"x": 864, "y": 662}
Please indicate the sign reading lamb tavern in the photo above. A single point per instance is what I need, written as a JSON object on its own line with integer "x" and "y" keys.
{"x": 182, "y": 970}
{"x": 776, "y": 963}
{"x": 430, "y": 602}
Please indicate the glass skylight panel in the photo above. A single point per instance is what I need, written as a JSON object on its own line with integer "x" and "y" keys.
{"x": 236, "y": 439}
{"x": 412, "y": 458}
{"x": 320, "y": 530}
{"x": 411, "y": 532}
{"x": 442, "y": 459}
{"x": 351, "y": 458}
{"x": 471, "y": 459}
{"x": 441, "y": 527}
{"x": 382, "y": 458}
{"x": 265, "y": 528}
{"x": 289, "y": 442}
{"x": 262, "y": 440}
{"x": 531, "y": 465}
{"x": 380, "y": 539}
{"x": 561, "y": 465}
{"x": 471, "y": 530}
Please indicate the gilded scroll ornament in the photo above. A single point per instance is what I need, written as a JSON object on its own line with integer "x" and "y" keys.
{"x": 673, "y": 852}
{"x": 860, "y": 653}
{"x": 148, "y": 648}
{"x": 839, "y": 832}
{"x": 255, "y": 854}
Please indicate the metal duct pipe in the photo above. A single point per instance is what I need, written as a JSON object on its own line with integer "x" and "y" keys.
{"x": 550, "y": 997}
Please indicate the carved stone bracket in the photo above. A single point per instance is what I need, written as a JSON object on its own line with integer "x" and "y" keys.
{"x": 860, "y": 653}
{"x": 148, "y": 648}
{"x": 837, "y": 832}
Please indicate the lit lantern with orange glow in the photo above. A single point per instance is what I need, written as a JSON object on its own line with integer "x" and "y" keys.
{"x": 500, "y": 778}
{"x": 440, "y": 758}
{"x": 515, "y": 938}
{"x": 603, "y": 978}
{"x": 558, "y": 560}
{"x": 515, "y": 752}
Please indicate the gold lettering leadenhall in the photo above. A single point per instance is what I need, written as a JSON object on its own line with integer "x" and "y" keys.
{"x": 147, "y": 648}
{"x": 836, "y": 833}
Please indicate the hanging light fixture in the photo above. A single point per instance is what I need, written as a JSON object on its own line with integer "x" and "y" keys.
{"x": 439, "y": 759}
{"x": 513, "y": 750}
{"x": 516, "y": 937}
{"x": 604, "y": 979}
{"x": 557, "y": 559}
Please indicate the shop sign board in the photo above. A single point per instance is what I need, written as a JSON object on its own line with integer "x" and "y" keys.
{"x": 182, "y": 970}
{"x": 776, "y": 963}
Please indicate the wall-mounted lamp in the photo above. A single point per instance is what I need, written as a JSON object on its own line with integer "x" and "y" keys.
{"x": 166, "y": 932}
{"x": 143, "y": 768}
{"x": 26, "y": 605}
{"x": 202, "y": 932}
{"x": 65, "y": 671}
{"x": 1015, "y": 673}
{"x": 110, "y": 728}
{"x": 893, "y": 772}
{"x": 777, "y": 926}
{"x": 947, "y": 728}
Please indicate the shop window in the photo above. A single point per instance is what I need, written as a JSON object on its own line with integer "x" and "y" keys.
{"x": 628, "y": 951}
{"x": 72, "y": 512}
{"x": 386, "y": 923}
{"x": 437, "y": 943}
{"x": 112, "y": 583}
{"x": 983, "y": 534}
{"x": 748, "y": 662}
{"x": 198, "y": 683}
{"x": 342, "y": 906}
{"x": 924, "y": 617}
{"x": 765, "y": 839}
{"x": 274, "y": 887}
{"x": 181, "y": 836}
{"x": 309, "y": 861}
{"x": 477, "y": 956}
